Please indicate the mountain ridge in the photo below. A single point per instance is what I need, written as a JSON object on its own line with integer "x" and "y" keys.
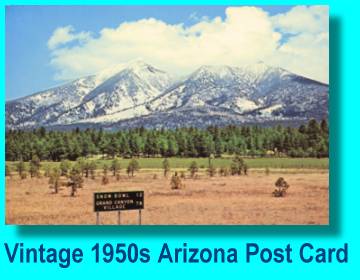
{"x": 142, "y": 94}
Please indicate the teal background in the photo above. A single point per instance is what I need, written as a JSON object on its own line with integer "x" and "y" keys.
{"x": 344, "y": 192}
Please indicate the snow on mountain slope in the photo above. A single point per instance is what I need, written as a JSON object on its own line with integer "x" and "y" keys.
{"x": 132, "y": 86}
{"x": 43, "y": 107}
{"x": 139, "y": 94}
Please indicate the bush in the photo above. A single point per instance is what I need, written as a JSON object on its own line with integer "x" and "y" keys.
{"x": 193, "y": 169}
{"x": 105, "y": 179}
{"x": 54, "y": 180}
{"x": 211, "y": 171}
{"x": 267, "y": 171}
{"x": 281, "y": 187}
{"x": 166, "y": 166}
{"x": 21, "y": 169}
{"x": 65, "y": 167}
{"x": 7, "y": 171}
{"x": 224, "y": 171}
{"x": 75, "y": 180}
{"x": 34, "y": 166}
{"x": 238, "y": 166}
{"x": 132, "y": 167}
{"x": 175, "y": 182}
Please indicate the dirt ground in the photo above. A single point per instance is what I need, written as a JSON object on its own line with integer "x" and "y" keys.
{"x": 219, "y": 200}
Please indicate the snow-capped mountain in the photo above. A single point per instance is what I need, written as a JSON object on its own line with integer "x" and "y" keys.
{"x": 141, "y": 95}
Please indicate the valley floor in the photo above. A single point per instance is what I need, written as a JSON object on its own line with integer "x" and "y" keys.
{"x": 231, "y": 200}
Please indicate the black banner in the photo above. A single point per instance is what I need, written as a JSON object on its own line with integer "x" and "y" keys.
{"x": 118, "y": 201}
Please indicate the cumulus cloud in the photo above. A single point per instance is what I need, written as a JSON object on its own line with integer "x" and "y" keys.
{"x": 244, "y": 36}
{"x": 63, "y": 35}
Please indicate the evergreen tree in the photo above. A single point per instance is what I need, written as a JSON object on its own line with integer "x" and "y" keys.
{"x": 75, "y": 179}
{"x": 166, "y": 166}
{"x": 34, "y": 167}
{"x": 115, "y": 168}
{"x": 132, "y": 167}
{"x": 54, "y": 179}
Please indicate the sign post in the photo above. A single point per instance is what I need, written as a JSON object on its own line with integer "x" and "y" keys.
{"x": 118, "y": 201}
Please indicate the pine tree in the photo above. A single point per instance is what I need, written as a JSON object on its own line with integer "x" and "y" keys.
{"x": 132, "y": 167}
{"x": 34, "y": 168}
{"x": 166, "y": 166}
{"x": 115, "y": 168}
{"x": 54, "y": 179}
{"x": 75, "y": 180}
{"x": 105, "y": 178}
{"x": 21, "y": 169}
{"x": 92, "y": 167}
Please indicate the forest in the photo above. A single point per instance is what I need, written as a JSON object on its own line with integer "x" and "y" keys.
{"x": 307, "y": 140}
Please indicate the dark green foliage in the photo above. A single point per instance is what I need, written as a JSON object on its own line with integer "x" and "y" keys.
{"x": 309, "y": 140}
{"x": 281, "y": 187}
{"x": 75, "y": 179}
{"x": 166, "y": 166}
{"x": 34, "y": 167}
{"x": 132, "y": 167}
{"x": 193, "y": 168}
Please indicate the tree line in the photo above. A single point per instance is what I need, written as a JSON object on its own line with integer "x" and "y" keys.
{"x": 307, "y": 140}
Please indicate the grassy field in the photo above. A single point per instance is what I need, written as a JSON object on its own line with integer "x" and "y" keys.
{"x": 181, "y": 163}
{"x": 230, "y": 200}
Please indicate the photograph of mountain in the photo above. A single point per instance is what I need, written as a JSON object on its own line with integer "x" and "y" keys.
{"x": 191, "y": 105}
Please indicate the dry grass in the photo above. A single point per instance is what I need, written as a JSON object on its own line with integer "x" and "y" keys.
{"x": 217, "y": 200}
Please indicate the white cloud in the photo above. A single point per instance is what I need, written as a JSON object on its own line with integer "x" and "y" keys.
{"x": 65, "y": 34}
{"x": 244, "y": 36}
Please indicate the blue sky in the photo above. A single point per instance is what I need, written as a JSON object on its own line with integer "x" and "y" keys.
{"x": 28, "y": 29}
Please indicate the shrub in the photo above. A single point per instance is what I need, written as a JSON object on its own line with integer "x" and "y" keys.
{"x": 211, "y": 171}
{"x": 75, "y": 179}
{"x": 281, "y": 187}
{"x": 47, "y": 170}
{"x": 175, "y": 182}
{"x": 166, "y": 166}
{"x": 34, "y": 166}
{"x": 21, "y": 169}
{"x": 267, "y": 171}
{"x": 65, "y": 167}
{"x": 105, "y": 179}
{"x": 7, "y": 171}
{"x": 238, "y": 166}
{"x": 54, "y": 180}
{"x": 92, "y": 168}
{"x": 224, "y": 171}
{"x": 193, "y": 169}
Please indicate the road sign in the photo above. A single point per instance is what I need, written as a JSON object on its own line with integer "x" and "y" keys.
{"x": 118, "y": 201}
